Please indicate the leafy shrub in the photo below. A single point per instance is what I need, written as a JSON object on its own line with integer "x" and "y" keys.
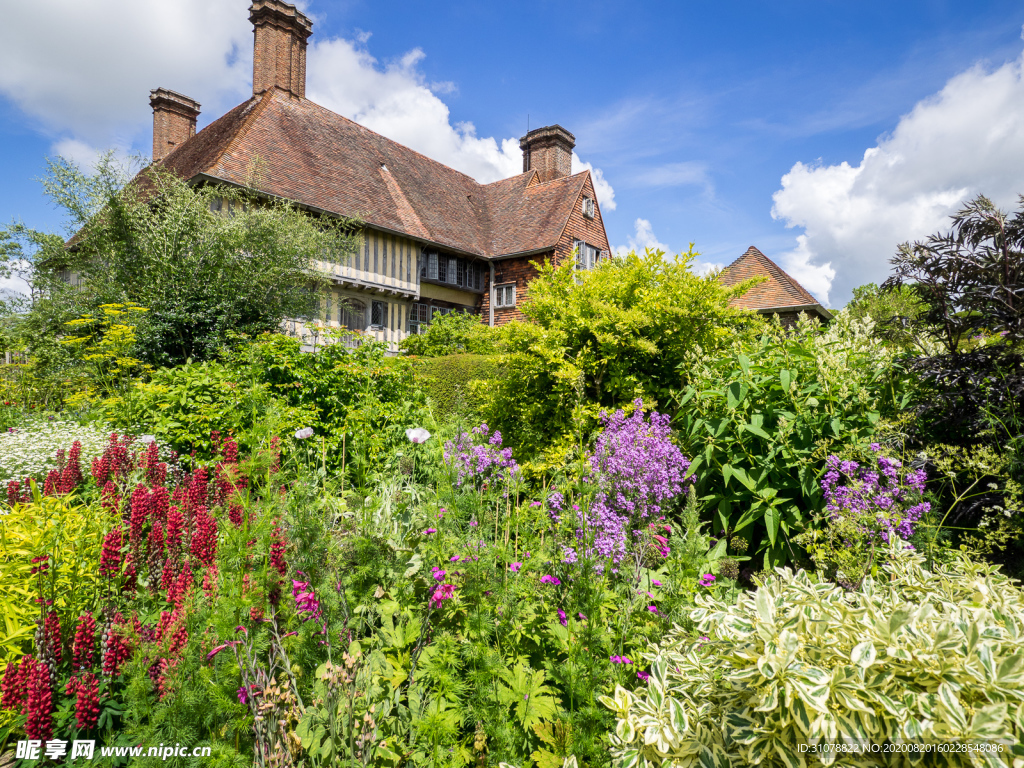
{"x": 603, "y": 338}
{"x": 67, "y": 532}
{"x": 918, "y": 658}
{"x": 451, "y": 383}
{"x": 458, "y": 333}
{"x": 182, "y": 407}
{"x": 760, "y": 419}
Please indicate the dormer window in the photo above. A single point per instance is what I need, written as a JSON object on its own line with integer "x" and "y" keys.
{"x": 588, "y": 207}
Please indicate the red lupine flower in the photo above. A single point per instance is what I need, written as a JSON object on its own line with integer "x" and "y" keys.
{"x": 178, "y": 591}
{"x": 118, "y": 649}
{"x": 139, "y": 515}
{"x": 85, "y": 642}
{"x": 235, "y": 515}
{"x": 277, "y": 550}
{"x": 159, "y": 504}
{"x": 110, "y": 499}
{"x": 71, "y": 471}
{"x": 14, "y": 688}
{"x": 204, "y": 537}
{"x": 13, "y": 492}
{"x": 175, "y": 530}
{"x": 110, "y": 558}
{"x": 198, "y": 490}
{"x": 53, "y": 639}
{"x": 52, "y": 480}
{"x": 39, "y": 703}
{"x": 87, "y": 701}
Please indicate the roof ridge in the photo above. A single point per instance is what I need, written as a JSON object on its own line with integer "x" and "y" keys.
{"x": 248, "y": 120}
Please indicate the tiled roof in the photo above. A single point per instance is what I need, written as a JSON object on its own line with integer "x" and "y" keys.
{"x": 298, "y": 150}
{"x": 778, "y": 292}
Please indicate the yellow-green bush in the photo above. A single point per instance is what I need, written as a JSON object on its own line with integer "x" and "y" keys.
{"x": 71, "y": 533}
{"x": 449, "y": 382}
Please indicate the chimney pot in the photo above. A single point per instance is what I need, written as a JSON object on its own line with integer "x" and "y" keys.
{"x": 174, "y": 120}
{"x": 280, "y": 32}
{"x": 548, "y": 151}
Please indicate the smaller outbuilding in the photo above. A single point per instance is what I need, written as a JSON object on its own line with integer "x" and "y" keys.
{"x": 779, "y": 295}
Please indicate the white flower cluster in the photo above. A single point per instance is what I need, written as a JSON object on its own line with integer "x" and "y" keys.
{"x": 31, "y": 450}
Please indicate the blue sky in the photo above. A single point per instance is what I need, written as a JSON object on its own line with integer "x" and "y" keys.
{"x": 702, "y": 118}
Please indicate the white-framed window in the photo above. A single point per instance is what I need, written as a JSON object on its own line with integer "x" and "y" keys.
{"x": 379, "y": 314}
{"x": 432, "y": 266}
{"x": 588, "y": 207}
{"x": 505, "y": 295}
{"x": 586, "y": 255}
{"x": 329, "y": 306}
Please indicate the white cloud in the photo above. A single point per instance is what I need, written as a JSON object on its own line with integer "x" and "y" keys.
{"x": 643, "y": 237}
{"x": 963, "y": 141}
{"x": 84, "y": 70}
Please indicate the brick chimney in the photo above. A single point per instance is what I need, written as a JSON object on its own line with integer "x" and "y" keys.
{"x": 548, "y": 151}
{"x": 174, "y": 120}
{"x": 279, "y": 54}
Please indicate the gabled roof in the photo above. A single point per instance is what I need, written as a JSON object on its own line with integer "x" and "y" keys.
{"x": 303, "y": 152}
{"x": 778, "y": 293}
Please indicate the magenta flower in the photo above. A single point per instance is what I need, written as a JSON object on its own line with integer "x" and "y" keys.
{"x": 306, "y": 604}
{"x": 644, "y": 676}
{"x": 243, "y": 695}
{"x": 430, "y": 531}
{"x": 652, "y": 608}
{"x": 656, "y": 583}
{"x": 534, "y": 503}
{"x": 706, "y": 580}
{"x": 546, "y": 579}
{"x": 442, "y": 593}
{"x": 621, "y": 660}
{"x": 562, "y": 619}
{"x": 437, "y": 573}
{"x": 514, "y": 567}
{"x": 454, "y": 559}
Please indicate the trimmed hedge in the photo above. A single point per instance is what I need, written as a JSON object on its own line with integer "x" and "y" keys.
{"x": 447, "y": 382}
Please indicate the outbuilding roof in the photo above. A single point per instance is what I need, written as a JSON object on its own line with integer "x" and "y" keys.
{"x": 779, "y": 293}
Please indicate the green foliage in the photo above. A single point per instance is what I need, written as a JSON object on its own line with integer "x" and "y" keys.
{"x": 452, "y": 383}
{"x": 357, "y": 402}
{"x": 887, "y": 309}
{"x": 605, "y": 337}
{"x": 158, "y": 242}
{"x": 760, "y": 418}
{"x": 453, "y": 334}
{"x": 919, "y": 657}
{"x": 182, "y": 406}
{"x": 71, "y": 533}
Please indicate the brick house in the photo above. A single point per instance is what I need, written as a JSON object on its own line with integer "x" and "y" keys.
{"x": 779, "y": 295}
{"x": 432, "y": 241}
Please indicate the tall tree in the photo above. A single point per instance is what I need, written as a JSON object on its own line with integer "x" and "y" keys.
{"x": 972, "y": 282}
{"x": 208, "y": 261}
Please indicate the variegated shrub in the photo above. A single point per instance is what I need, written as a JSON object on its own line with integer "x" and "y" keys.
{"x": 917, "y": 660}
